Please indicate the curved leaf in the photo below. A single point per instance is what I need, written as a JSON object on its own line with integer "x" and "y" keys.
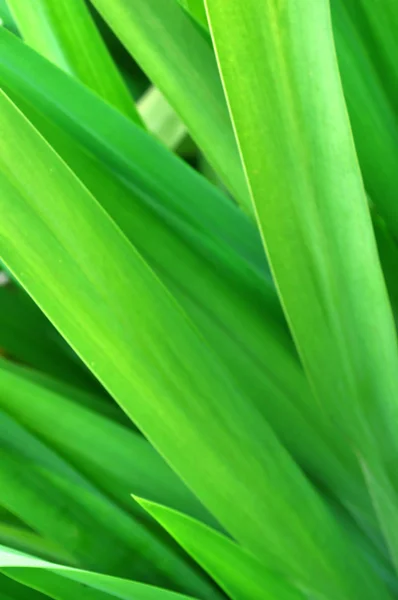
{"x": 236, "y": 571}
{"x": 65, "y": 33}
{"x": 66, "y": 583}
{"x": 173, "y": 52}
{"x": 148, "y": 355}
{"x": 219, "y": 277}
{"x": 126, "y": 463}
{"x": 297, "y": 147}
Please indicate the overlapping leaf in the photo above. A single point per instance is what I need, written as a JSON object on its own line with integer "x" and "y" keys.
{"x": 64, "y": 32}
{"x": 66, "y": 583}
{"x": 159, "y": 284}
{"x": 312, "y": 209}
{"x": 146, "y": 352}
{"x": 378, "y": 29}
{"x": 177, "y": 57}
{"x": 125, "y": 464}
{"x": 238, "y": 573}
{"x": 242, "y": 320}
{"x": 63, "y": 506}
{"x": 27, "y": 336}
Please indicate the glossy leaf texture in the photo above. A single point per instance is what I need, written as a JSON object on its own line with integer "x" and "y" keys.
{"x": 257, "y": 339}
{"x": 238, "y": 573}
{"x": 371, "y": 109}
{"x": 159, "y": 369}
{"x": 178, "y": 58}
{"x": 51, "y": 497}
{"x": 250, "y": 327}
{"x": 312, "y": 209}
{"x": 65, "y": 33}
{"x": 125, "y": 464}
{"x": 66, "y": 583}
{"x": 278, "y": 421}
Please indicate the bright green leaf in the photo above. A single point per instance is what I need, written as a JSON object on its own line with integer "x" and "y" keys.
{"x": 64, "y": 32}
{"x": 312, "y": 209}
{"x": 125, "y": 464}
{"x": 374, "y": 123}
{"x": 211, "y": 238}
{"x": 27, "y": 336}
{"x": 179, "y": 60}
{"x": 70, "y": 583}
{"x": 196, "y": 9}
{"x": 145, "y": 351}
{"x": 236, "y": 571}
{"x": 55, "y": 500}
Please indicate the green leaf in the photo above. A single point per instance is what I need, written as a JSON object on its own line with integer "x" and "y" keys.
{"x": 125, "y": 464}
{"x": 388, "y": 252}
{"x": 26, "y": 335}
{"x": 182, "y": 194}
{"x": 66, "y": 583}
{"x": 12, "y": 590}
{"x": 237, "y": 572}
{"x": 65, "y": 33}
{"x": 370, "y": 108}
{"x": 218, "y": 249}
{"x": 313, "y": 213}
{"x": 196, "y": 9}
{"x": 56, "y": 501}
{"x": 6, "y": 17}
{"x": 374, "y": 122}
{"x": 24, "y": 539}
{"x": 378, "y": 28}
{"x": 178, "y": 58}
{"x": 205, "y": 288}
{"x": 147, "y": 354}
{"x": 16, "y": 534}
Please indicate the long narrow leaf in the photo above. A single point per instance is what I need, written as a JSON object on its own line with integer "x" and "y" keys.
{"x": 65, "y": 33}
{"x": 374, "y": 122}
{"x": 125, "y": 148}
{"x": 196, "y": 9}
{"x": 53, "y": 498}
{"x": 125, "y": 464}
{"x": 180, "y": 61}
{"x": 241, "y": 335}
{"x": 158, "y": 368}
{"x": 379, "y": 29}
{"x": 312, "y": 209}
{"x": 67, "y": 583}
{"x": 238, "y": 573}
{"x": 27, "y": 336}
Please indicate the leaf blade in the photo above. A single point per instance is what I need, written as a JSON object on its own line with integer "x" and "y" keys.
{"x": 301, "y": 190}
{"x": 118, "y": 588}
{"x": 152, "y": 353}
{"x": 64, "y": 32}
{"x": 238, "y": 573}
{"x": 180, "y": 62}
